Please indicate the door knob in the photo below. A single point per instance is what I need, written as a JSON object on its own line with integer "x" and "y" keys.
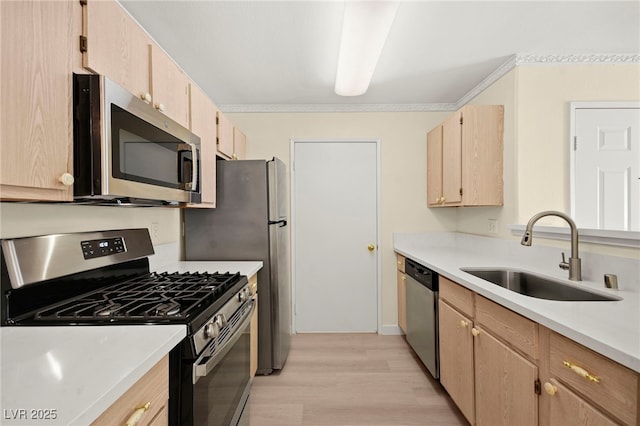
{"x": 371, "y": 247}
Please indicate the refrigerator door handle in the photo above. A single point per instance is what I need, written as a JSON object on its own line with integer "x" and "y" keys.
{"x": 282, "y": 222}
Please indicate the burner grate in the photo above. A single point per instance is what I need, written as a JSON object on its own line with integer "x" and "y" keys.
{"x": 151, "y": 297}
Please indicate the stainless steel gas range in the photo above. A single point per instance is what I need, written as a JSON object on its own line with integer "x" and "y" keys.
{"x": 103, "y": 278}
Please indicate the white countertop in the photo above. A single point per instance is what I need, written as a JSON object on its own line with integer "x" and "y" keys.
{"x": 610, "y": 328}
{"x": 76, "y": 371}
{"x": 79, "y": 371}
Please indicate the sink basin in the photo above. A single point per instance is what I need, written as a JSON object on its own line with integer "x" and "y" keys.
{"x": 535, "y": 285}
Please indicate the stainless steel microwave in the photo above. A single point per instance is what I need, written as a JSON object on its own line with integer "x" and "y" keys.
{"x": 127, "y": 152}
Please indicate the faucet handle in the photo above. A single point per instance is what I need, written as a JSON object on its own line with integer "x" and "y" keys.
{"x": 564, "y": 265}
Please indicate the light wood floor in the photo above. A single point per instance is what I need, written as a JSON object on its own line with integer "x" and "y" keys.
{"x": 351, "y": 379}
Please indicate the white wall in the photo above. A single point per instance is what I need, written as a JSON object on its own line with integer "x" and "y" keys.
{"x": 26, "y": 219}
{"x": 544, "y": 94}
{"x": 542, "y": 132}
{"x": 536, "y": 142}
{"x": 403, "y": 169}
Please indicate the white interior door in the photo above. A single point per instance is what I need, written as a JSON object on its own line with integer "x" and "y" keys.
{"x": 607, "y": 168}
{"x": 335, "y": 205}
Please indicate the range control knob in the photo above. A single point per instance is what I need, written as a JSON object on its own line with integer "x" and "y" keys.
{"x": 212, "y": 330}
{"x": 220, "y": 320}
{"x": 242, "y": 296}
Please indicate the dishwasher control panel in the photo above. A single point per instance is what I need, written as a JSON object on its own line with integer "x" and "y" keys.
{"x": 422, "y": 274}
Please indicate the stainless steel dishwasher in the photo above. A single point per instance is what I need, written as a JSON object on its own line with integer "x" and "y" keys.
{"x": 422, "y": 314}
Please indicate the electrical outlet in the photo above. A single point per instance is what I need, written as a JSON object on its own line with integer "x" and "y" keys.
{"x": 154, "y": 231}
{"x": 493, "y": 226}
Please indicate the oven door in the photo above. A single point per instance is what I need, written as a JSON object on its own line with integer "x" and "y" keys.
{"x": 222, "y": 378}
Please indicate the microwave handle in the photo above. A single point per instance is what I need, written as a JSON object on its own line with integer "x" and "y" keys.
{"x": 187, "y": 147}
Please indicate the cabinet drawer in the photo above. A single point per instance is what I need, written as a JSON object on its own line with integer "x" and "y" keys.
{"x": 568, "y": 409}
{"x": 153, "y": 387}
{"x": 612, "y": 386}
{"x": 520, "y": 332}
{"x": 456, "y": 295}
{"x": 400, "y": 262}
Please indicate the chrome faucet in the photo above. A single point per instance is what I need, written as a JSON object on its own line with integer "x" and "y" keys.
{"x": 575, "y": 264}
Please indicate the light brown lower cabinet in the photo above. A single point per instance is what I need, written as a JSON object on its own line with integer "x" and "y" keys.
{"x": 488, "y": 379}
{"x": 568, "y": 409}
{"x": 146, "y": 400}
{"x": 591, "y": 386}
{"x": 402, "y": 293}
{"x": 505, "y": 384}
{"x": 503, "y": 369}
{"x": 456, "y": 358}
{"x": 253, "y": 341}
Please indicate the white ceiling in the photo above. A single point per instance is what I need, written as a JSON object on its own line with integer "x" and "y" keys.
{"x": 281, "y": 55}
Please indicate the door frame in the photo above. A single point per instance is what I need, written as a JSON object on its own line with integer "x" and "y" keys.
{"x": 573, "y": 106}
{"x": 292, "y": 143}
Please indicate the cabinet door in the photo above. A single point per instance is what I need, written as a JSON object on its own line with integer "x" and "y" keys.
{"x": 482, "y": 146}
{"x": 203, "y": 124}
{"x": 225, "y": 136}
{"x": 505, "y": 384}
{"x": 402, "y": 301}
{"x": 169, "y": 87}
{"x": 152, "y": 388}
{"x": 116, "y": 46}
{"x": 239, "y": 144}
{"x": 452, "y": 159}
{"x": 456, "y": 358}
{"x": 38, "y": 41}
{"x": 434, "y": 166}
{"x": 568, "y": 409}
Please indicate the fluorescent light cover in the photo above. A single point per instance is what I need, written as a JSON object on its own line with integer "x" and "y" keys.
{"x": 365, "y": 27}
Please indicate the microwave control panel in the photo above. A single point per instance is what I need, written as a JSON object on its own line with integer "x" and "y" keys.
{"x": 103, "y": 247}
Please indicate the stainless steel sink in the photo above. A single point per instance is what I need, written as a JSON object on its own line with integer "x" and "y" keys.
{"x": 535, "y": 285}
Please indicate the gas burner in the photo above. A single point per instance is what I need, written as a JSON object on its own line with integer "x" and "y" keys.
{"x": 106, "y": 311}
{"x": 167, "y": 309}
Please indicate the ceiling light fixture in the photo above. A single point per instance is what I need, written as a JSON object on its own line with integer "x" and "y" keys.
{"x": 365, "y": 27}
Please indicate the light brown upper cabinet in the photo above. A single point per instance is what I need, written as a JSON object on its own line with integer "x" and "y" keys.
{"x": 169, "y": 87}
{"x": 39, "y": 45}
{"x": 239, "y": 145}
{"x": 225, "y": 136}
{"x": 116, "y": 46}
{"x": 203, "y": 124}
{"x": 464, "y": 158}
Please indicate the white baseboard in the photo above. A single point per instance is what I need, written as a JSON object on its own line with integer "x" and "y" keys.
{"x": 390, "y": 330}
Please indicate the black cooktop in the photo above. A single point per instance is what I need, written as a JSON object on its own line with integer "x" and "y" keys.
{"x": 164, "y": 297}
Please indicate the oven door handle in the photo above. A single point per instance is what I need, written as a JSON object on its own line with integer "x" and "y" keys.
{"x": 201, "y": 370}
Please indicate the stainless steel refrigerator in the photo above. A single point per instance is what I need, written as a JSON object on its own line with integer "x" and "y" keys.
{"x": 250, "y": 223}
